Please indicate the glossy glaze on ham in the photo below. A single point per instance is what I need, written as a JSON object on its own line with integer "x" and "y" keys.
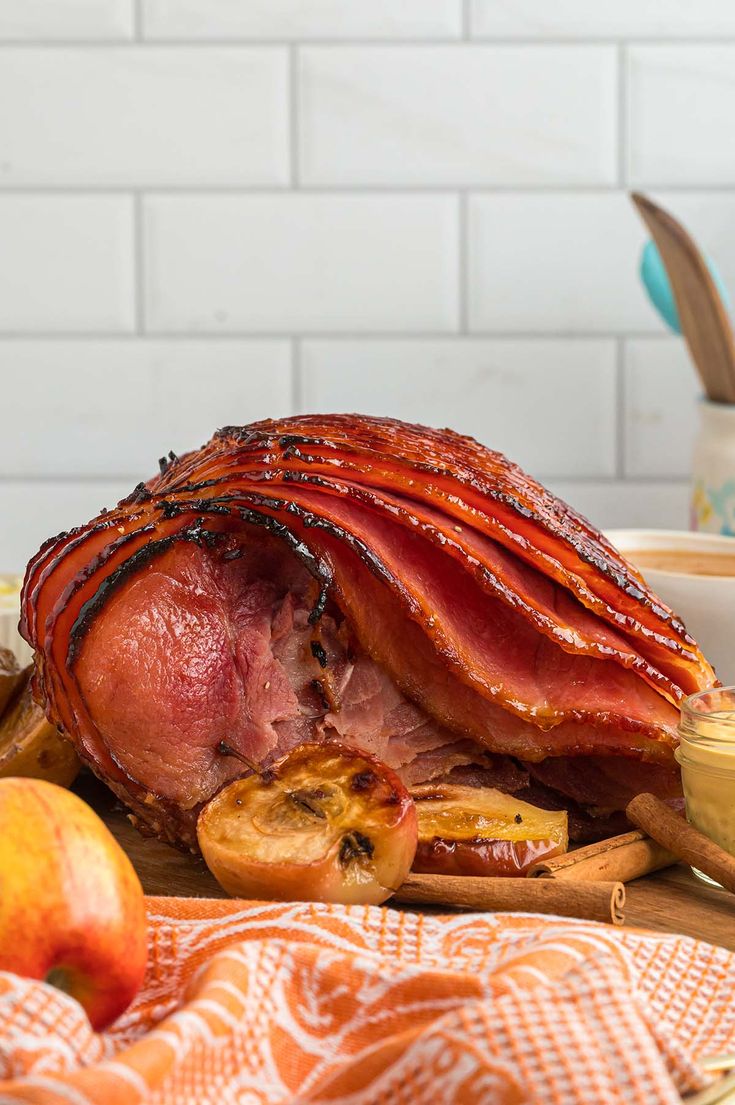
{"x": 404, "y": 589}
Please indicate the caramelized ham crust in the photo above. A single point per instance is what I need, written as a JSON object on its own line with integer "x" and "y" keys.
{"x": 399, "y": 588}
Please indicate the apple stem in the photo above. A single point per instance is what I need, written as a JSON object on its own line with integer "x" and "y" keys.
{"x": 226, "y": 749}
{"x": 59, "y": 978}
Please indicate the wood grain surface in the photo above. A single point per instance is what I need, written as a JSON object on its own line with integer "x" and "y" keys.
{"x": 667, "y": 901}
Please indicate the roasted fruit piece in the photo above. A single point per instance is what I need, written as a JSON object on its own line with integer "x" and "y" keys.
{"x": 326, "y": 823}
{"x": 30, "y": 745}
{"x": 467, "y": 830}
{"x": 10, "y": 677}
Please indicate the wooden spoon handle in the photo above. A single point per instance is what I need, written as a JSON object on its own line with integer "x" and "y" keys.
{"x": 705, "y": 322}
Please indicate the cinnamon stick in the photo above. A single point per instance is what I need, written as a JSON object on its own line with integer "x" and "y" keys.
{"x": 592, "y": 901}
{"x": 687, "y": 843}
{"x": 619, "y": 858}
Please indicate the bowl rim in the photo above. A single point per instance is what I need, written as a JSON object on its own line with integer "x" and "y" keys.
{"x": 627, "y": 540}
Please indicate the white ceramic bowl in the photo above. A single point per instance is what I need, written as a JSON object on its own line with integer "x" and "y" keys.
{"x": 9, "y": 614}
{"x": 706, "y": 604}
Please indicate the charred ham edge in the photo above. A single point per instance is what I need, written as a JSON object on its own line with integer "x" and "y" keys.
{"x": 449, "y": 540}
{"x": 470, "y": 469}
{"x": 467, "y": 503}
{"x": 197, "y": 533}
{"x": 675, "y": 649}
{"x": 82, "y": 594}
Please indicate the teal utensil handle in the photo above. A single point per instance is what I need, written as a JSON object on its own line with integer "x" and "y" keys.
{"x": 656, "y": 282}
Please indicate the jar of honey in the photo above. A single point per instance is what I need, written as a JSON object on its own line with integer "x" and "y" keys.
{"x": 706, "y": 755}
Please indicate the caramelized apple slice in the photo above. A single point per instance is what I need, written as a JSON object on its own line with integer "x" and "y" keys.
{"x": 10, "y": 676}
{"x": 326, "y": 823}
{"x": 30, "y": 745}
{"x": 480, "y": 831}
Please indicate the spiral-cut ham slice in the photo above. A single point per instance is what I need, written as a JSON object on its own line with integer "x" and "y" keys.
{"x": 397, "y": 587}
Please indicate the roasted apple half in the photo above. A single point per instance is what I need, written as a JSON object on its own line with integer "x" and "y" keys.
{"x": 10, "y": 676}
{"x": 467, "y": 830}
{"x": 326, "y": 823}
{"x": 30, "y": 745}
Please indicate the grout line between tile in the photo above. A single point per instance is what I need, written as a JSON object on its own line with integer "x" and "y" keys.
{"x": 622, "y": 105}
{"x": 277, "y": 188}
{"x": 620, "y": 411}
{"x": 464, "y": 295}
{"x": 479, "y": 41}
{"x": 466, "y": 21}
{"x": 447, "y": 336}
{"x": 294, "y": 122}
{"x": 139, "y": 264}
{"x": 297, "y": 383}
{"x": 138, "y": 35}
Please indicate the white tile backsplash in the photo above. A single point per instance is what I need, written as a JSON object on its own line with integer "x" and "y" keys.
{"x": 213, "y": 210}
{"x": 660, "y": 407}
{"x": 680, "y": 109}
{"x": 66, "y": 264}
{"x": 41, "y": 508}
{"x": 157, "y": 116}
{"x": 626, "y": 505}
{"x": 297, "y": 19}
{"x": 301, "y": 263}
{"x": 621, "y": 19}
{"x": 175, "y": 394}
{"x": 65, "y": 19}
{"x": 556, "y": 262}
{"x": 549, "y": 404}
{"x": 458, "y": 115}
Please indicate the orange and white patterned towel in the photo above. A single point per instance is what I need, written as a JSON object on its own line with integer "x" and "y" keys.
{"x": 260, "y": 1003}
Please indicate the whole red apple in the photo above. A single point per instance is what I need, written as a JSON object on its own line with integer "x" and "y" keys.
{"x": 72, "y": 910}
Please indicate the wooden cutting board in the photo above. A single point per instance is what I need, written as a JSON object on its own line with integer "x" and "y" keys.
{"x": 669, "y": 901}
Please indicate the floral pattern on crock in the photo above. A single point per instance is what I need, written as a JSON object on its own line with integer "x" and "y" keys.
{"x": 713, "y": 508}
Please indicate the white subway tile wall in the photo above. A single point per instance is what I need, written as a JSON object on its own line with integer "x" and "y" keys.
{"x": 42, "y": 508}
{"x": 172, "y": 392}
{"x": 298, "y": 262}
{"x": 562, "y": 262}
{"x": 462, "y": 115}
{"x": 301, "y": 19}
{"x": 211, "y": 211}
{"x": 66, "y": 264}
{"x": 659, "y": 436}
{"x": 49, "y": 20}
{"x": 144, "y": 116}
{"x": 622, "y": 19}
{"x": 643, "y": 505}
{"x": 499, "y": 391}
{"x": 693, "y": 85}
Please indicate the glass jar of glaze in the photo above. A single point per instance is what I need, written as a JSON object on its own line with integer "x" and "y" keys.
{"x": 706, "y": 755}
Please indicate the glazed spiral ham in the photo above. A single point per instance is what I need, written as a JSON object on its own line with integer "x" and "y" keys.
{"x": 401, "y": 588}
